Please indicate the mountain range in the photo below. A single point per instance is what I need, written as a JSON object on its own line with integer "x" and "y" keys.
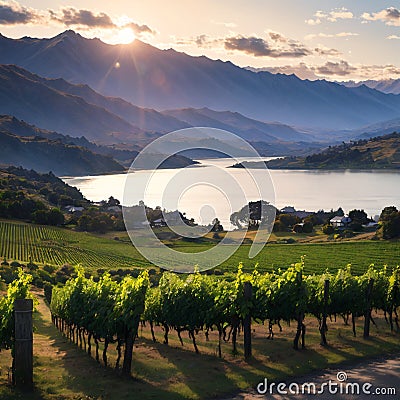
{"x": 166, "y": 79}
{"x": 60, "y": 107}
{"x": 385, "y": 85}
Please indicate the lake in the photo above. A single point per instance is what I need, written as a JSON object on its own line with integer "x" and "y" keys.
{"x": 208, "y": 189}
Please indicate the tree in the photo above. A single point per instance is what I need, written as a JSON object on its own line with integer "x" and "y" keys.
{"x": 113, "y": 202}
{"x": 328, "y": 229}
{"x": 216, "y": 225}
{"x": 253, "y": 214}
{"x": 55, "y": 217}
{"x": 358, "y": 216}
{"x": 40, "y": 217}
{"x": 390, "y": 223}
{"x": 386, "y": 213}
{"x": 288, "y": 220}
{"x": 307, "y": 227}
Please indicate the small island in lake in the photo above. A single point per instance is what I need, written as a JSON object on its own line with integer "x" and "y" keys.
{"x": 381, "y": 152}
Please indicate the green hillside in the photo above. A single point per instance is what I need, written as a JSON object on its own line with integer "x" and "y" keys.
{"x": 44, "y": 155}
{"x": 381, "y": 152}
{"x": 377, "y": 153}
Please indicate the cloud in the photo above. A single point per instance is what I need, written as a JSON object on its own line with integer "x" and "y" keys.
{"x": 70, "y": 16}
{"x": 260, "y": 47}
{"x": 341, "y": 68}
{"x": 139, "y": 29}
{"x": 12, "y": 13}
{"x": 335, "y": 71}
{"x": 390, "y": 16}
{"x": 302, "y": 70}
{"x": 331, "y": 35}
{"x": 277, "y": 37}
{"x": 203, "y": 41}
{"x": 391, "y": 37}
{"x": 275, "y": 45}
{"x": 322, "y": 50}
{"x": 331, "y": 16}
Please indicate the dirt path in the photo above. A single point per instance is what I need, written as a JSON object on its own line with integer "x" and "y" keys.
{"x": 382, "y": 374}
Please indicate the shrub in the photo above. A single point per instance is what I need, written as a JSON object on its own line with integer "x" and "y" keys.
{"x": 50, "y": 268}
{"x": 15, "y": 264}
{"x": 48, "y": 290}
{"x": 328, "y": 229}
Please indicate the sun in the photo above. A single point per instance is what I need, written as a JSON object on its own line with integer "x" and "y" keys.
{"x": 125, "y": 36}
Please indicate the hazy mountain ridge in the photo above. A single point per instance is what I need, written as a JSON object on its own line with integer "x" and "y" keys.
{"x": 378, "y": 129}
{"x": 44, "y": 155}
{"x": 20, "y": 128}
{"x": 24, "y": 96}
{"x": 167, "y": 79}
{"x": 246, "y": 128}
{"x": 384, "y": 85}
{"x": 28, "y": 96}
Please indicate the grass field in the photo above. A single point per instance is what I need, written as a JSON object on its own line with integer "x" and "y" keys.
{"x": 57, "y": 246}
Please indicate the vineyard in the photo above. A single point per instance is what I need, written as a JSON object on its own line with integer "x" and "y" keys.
{"x": 57, "y": 246}
{"x": 18, "y": 289}
{"x": 105, "y": 310}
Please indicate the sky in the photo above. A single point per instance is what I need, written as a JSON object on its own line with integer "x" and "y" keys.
{"x": 335, "y": 40}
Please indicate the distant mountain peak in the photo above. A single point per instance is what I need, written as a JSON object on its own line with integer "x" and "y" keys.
{"x": 166, "y": 79}
{"x": 69, "y": 32}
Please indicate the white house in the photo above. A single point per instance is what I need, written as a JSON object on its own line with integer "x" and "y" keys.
{"x": 157, "y": 223}
{"x": 340, "y": 221}
{"x": 74, "y": 209}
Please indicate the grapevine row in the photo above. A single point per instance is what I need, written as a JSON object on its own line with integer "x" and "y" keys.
{"x": 18, "y": 289}
{"x": 47, "y": 245}
{"x": 202, "y": 303}
{"x": 103, "y": 311}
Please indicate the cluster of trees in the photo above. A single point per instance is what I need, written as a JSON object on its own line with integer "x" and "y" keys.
{"x": 47, "y": 186}
{"x": 390, "y": 222}
{"x": 35, "y": 197}
{"x": 19, "y": 205}
{"x": 95, "y": 220}
{"x": 260, "y": 212}
{"x": 254, "y": 214}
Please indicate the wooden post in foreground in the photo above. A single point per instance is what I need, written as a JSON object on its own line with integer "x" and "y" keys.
{"x": 23, "y": 357}
{"x": 248, "y": 293}
{"x": 368, "y": 309}
{"x": 324, "y": 327}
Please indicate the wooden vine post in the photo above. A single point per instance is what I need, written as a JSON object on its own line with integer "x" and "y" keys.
{"x": 23, "y": 356}
{"x": 368, "y": 308}
{"x": 324, "y": 326}
{"x": 248, "y": 293}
